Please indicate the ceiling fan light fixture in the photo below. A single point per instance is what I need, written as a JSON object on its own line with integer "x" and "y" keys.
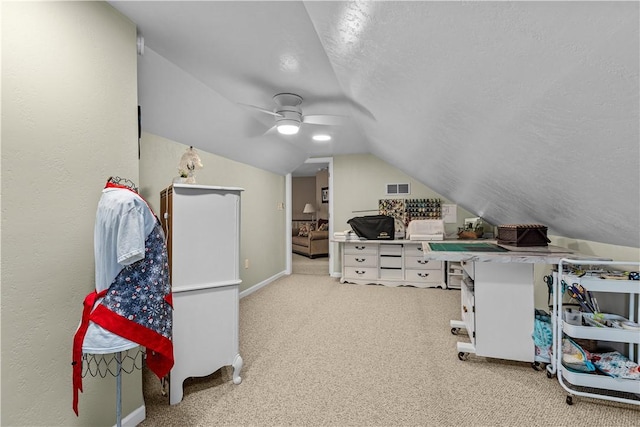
{"x": 289, "y": 121}
{"x": 288, "y": 127}
{"x": 322, "y": 137}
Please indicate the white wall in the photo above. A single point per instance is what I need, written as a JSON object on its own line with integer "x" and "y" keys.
{"x": 69, "y": 121}
{"x": 262, "y": 224}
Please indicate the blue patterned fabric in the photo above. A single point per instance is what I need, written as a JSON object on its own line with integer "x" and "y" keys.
{"x": 139, "y": 291}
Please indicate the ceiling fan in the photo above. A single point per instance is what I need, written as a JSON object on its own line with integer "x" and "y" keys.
{"x": 289, "y": 117}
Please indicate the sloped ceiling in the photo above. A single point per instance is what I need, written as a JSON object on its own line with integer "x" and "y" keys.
{"x": 521, "y": 112}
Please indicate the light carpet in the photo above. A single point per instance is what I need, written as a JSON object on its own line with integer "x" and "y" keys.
{"x": 301, "y": 264}
{"x": 320, "y": 353}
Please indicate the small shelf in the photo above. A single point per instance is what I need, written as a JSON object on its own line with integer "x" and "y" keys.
{"x": 601, "y": 382}
{"x": 601, "y": 334}
{"x": 596, "y": 284}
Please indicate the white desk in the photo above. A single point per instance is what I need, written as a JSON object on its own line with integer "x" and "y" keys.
{"x": 497, "y": 298}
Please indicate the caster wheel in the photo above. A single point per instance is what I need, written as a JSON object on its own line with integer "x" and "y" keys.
{"x": 569, "y": 400}
{"x": 463, "y": 356}
{"x": 549, "y": 374}
{"x": 455, "y": 331}
{"x": 537, "y": 366}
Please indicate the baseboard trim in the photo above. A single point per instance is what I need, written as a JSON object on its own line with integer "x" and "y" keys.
{"x": 261, "y": 284}
{"x": 135, "y": 417}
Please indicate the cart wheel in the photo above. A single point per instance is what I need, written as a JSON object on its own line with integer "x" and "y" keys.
{"x": 537, "y": 366}
{"x": 569, "y": 400}
{"x": 455, "y": 331}
{"x": 549, "y": 374}
{"x": 463, "y": 356}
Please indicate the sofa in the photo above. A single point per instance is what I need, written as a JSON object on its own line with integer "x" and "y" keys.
{"x": 313, "y": 244}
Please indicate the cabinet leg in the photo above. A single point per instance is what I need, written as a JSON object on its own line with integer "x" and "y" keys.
{"x": 237, "y": 366}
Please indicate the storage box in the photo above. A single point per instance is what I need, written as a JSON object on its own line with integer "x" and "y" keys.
{"x": 573, "y": 317}
{"x": 523, "y": 235}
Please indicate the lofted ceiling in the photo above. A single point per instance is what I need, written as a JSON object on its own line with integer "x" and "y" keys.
{"x": 520, "y": 112}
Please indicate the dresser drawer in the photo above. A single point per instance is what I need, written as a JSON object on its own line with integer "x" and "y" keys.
{"x": 413, "y": 249}
{"x": 391, "y": 250}
{"x": 424, "y": 276}
{"x": 362, "y": 273}
{"x": 391, "y": 273}
{"x": 361, "y": 260}
{"x": 361, "y": 248}
{"x": 391, "y": 261}
{"x": 421, "y": 263}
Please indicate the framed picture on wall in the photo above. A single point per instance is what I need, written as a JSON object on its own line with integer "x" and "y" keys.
{"x": 325, "y": 194}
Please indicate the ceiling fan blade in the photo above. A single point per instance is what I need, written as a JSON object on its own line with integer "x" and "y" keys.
{"x": 264, "y": 110}
{"x": 270, "y": 131}
{"x": 324, "y": 119}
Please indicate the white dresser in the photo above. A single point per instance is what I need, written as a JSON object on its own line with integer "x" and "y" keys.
{"x": 202, "y": 225}
{"x": 390, "y": 263}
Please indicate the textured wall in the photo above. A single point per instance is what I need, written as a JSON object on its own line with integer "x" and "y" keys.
{"x": 68, "y": 123}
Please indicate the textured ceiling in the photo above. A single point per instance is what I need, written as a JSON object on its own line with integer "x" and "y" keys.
{"x": 517, "y": 111}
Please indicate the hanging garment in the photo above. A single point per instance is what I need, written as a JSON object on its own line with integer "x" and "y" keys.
{"x": 132, "y": 302}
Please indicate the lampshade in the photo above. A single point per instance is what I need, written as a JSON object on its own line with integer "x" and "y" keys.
{"x": 308, "y": 209}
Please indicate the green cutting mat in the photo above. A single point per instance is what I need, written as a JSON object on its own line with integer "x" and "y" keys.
{"x": 466, "y": 247}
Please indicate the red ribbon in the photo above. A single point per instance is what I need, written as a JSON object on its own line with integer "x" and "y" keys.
{"x": 78, "y": 339}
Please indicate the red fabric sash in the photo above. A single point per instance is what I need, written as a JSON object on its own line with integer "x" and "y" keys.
{"x": 78, "y": 339}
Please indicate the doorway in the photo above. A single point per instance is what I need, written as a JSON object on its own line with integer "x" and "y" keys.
{"x": 322, "y": 204}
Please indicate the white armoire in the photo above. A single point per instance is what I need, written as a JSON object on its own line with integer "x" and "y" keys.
{"x": 202, "y": 225}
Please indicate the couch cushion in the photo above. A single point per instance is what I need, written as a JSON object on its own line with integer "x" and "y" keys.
{"x": 300, "y": 241}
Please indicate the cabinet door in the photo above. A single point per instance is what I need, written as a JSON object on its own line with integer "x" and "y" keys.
{"x": 504, "y": 310}
{"x": 205, "y": 236}
{"x": 468, "y": 309}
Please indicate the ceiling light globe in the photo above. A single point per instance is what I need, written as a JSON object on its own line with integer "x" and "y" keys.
{"x": 288, "y": 127}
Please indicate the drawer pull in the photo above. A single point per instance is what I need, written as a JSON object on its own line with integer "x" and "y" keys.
{"x": 423, "y": 274}
{"x": 361, "y": 272}
{"x": 360, "y": 247}
{"x": 464, "y": 308}
{"x": 423, "y": 261}
{"x": 361, "y": 259}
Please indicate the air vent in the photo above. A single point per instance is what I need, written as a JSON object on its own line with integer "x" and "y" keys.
{"x": 394, "y": 189}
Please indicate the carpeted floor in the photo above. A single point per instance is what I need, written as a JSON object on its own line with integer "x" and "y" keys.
{"x": 304, "y": 265}
{"x": 320, "y": 353}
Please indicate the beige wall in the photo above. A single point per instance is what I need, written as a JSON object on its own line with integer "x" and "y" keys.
{"x": 68, "y": 122}
{"x": 262, "y": 224}
{"x": 359, "y": 182}
{"x": 303, "y": 191}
